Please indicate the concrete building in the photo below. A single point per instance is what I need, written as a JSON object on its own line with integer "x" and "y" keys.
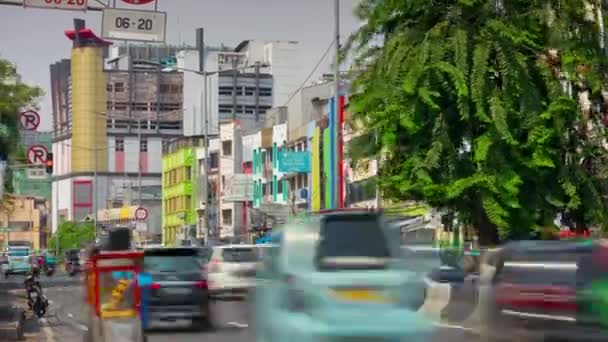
{"x": 231, "y": 195}
{"x": 211, "y": 203}
{"x": 180, "y": 192}
{"x": 141, "y": 112}
{"x": 26, "y": 219}
{"x": 272, "y": 74}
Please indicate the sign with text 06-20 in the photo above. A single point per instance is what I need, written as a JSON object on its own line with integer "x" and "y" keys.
{"x": 121, "y": 24}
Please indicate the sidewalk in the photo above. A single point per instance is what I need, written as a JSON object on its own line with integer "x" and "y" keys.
{"x": 12, "y": 308}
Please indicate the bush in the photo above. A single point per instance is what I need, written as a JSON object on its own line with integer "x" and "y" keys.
{"x": 72, "y": 235}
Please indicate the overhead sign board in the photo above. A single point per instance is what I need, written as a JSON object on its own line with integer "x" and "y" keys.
{"x": 136, "y": 25}
{"x": 290, "y": 161}
{"x": 71, "y": 5}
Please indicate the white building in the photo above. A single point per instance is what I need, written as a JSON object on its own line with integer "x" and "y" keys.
{"x": 245, "y": 96}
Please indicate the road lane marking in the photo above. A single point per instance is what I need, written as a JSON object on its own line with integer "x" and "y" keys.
{"x": 70, "y": 315}
{"x": 453, "y": 326}
{"x": 238, "y": 325}
{"x": 50, "y": 336}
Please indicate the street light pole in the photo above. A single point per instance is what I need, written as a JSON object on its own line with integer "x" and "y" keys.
{"x": 95, "y": 190}
{"x": 200, "y": 42}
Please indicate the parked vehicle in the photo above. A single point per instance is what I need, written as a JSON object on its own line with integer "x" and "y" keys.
{"x": 19, "y": 260}
{"x": 343, "y": 272}
{"x": 179, "y": 293}
{"x": 232, "y": 268}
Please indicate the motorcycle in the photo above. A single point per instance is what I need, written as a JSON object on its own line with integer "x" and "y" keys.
{"x": 36, "y": 300}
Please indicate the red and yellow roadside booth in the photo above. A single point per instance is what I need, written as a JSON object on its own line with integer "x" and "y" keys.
{"x": 113, "y": 296}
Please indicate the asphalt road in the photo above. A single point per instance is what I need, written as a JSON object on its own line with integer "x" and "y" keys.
{"x": 65, "y": 321}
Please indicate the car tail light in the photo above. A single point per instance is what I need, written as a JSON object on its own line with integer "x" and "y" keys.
{"x": 155, "y": 286}
{"x": 201, "y": 284}
{"x": 214, "y": 266}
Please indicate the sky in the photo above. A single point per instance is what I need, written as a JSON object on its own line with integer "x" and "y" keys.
{"x": 34, "y": 39}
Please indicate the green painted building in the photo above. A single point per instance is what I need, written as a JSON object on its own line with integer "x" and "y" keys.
{"x": 179, "y": 191}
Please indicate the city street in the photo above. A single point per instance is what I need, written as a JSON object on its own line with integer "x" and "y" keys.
{"x": 65, "y": 321}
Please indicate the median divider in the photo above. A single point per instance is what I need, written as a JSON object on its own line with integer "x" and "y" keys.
{"x": 436, "y": 299}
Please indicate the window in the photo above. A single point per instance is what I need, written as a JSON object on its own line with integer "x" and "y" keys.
{"x": 188, "y": 173}
{"x": 239, "y": 91}
{"x": 165, "y": 88}
{"x": 140, "y": 106}
{"x": 143, "y": 145}
{"x": 109, "y": 105}
{"x": 225, "y": 91}
{"x": 119, "y": 145}
{"x": 227, "y": 216}
{"x": 119, "y": 87}
{"x": 176, "y": 88}
{"x": 109, "y": 87}
{"x": 120, "y": 106}
{"x": 249, "y": 91}
{"x": 188, "y": 202}
{"x": 265, "y": 91}
{"x": 280, "y": 187}
{"x": 213, "y": 160}
{"x": 227, "y": 148}
{"x": 225, "y": 109}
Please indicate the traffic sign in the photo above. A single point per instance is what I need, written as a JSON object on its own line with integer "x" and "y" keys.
{"x": 138, "y": 2}
{"x": 30, "y": 120}
{"x": 122, "y": 24}
{"x": 72, "y": 5}
{"x": 141, "y": 214}
{"x": 37, "y": 154}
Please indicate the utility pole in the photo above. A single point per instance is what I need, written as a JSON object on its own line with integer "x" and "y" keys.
{"x": 139, "y": 163}
{"x": 337, "y": 200}
{"x": 95, "y": 190}
{"x": 200, "y": 44}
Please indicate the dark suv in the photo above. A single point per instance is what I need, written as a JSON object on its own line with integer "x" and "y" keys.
{"x": 178, "y": 293}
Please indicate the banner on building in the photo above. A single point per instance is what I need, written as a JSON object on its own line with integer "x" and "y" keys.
{"x": 290, "y": 161}
{"x": 238, "y": 188}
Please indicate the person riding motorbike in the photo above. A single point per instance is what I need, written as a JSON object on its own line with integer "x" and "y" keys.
{"x": 32, "y": 285}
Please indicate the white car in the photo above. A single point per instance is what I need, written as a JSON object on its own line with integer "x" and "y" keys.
{"x": 231, "y": 269}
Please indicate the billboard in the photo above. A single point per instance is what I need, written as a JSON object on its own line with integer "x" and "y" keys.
{"x": 238, "y": 188}
{"x": 290, "y": 161}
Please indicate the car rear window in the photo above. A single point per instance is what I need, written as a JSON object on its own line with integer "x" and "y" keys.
{"x": 352, "y": 242}
{"x": 178, "y": 261}
{"x": 239, "y": 255}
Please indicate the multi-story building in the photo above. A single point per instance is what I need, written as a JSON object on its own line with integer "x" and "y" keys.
{"x": 269, "y": 72}
{"x": 142, "y": 110}
{"x": 231, "y": 178}
{"x": 26, "y": 218}
{"x": 180, "y": 190}
{"x": 210, "y": 205}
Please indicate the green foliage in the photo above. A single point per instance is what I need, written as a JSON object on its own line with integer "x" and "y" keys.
{"x": 72, "y": 235}
{"x": 468, "y": 109}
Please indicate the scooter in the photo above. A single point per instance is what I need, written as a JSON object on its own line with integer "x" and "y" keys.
{"x": 36, "y": 300}
{"x": 49, "y": 270}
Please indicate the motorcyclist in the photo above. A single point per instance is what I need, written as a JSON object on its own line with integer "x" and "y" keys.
{"x": 31, "y": 279}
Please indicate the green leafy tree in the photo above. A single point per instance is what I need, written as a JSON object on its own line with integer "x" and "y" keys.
{"x": 72, "y": 235}
{"x": 14, "y": 98}
{"x": 467, "y": 100}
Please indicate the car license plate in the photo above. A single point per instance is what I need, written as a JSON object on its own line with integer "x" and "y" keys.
{"x": 360, "y": 296}
{"x": 177, "y": 291}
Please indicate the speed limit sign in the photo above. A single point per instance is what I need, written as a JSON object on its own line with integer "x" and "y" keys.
{"x": 141, "y": 214}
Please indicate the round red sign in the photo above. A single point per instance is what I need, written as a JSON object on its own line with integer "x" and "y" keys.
{"x": 141, "y": 214}
{"x": 138, "y": 2}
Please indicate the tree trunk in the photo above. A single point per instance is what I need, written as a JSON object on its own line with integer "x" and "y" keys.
{"x": 486, "y": 230}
